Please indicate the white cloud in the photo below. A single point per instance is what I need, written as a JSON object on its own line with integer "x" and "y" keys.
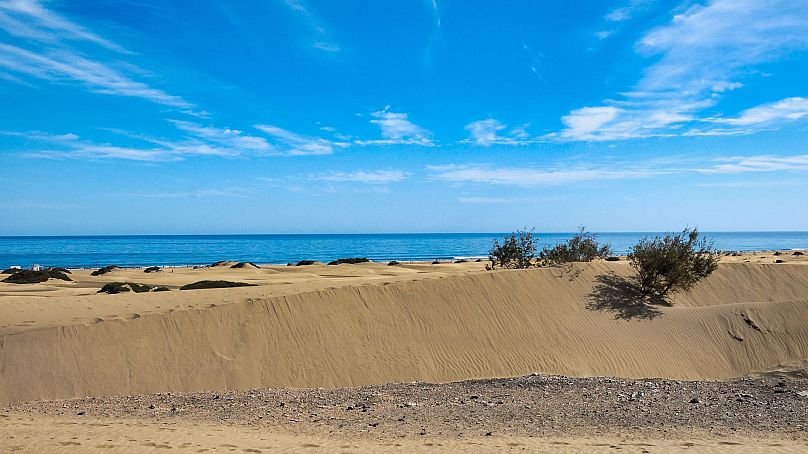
{"x": 527, "y": 176}
{"x": 231, "y": 138}
{"x": 486, "y": 133}
{"x": 396, "y": 128}
{"x": 46, "y": 53}
{"x": 785, "y": 109}
{"x": 325, "y": 46}
{"x": 373, "y": 176}
{"x": 698, "y": 55}
{"x": 298, "y": 7}
{"x": 582, "y": 123}
{"x": 763, "y": 163}
{"x": 292, "y": 144}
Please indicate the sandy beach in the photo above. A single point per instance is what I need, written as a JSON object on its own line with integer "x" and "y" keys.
{"x": 278, "y": 365}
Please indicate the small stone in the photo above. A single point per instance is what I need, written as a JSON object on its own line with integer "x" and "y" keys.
{"x": 695, "y": 400}
{"x": 80, "y": 413}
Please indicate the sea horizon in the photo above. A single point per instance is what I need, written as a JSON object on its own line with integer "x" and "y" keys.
{"x": 87, "y": 251}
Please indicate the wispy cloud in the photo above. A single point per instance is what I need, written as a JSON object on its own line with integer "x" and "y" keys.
{"x": 763, "y": 163}
{"x": 614, "y": 18}
{"x": 293, "y": 144}
{"x": 362, "y": 176}
{"x": 226, "y": 137}
{"x": 783, "y": 110}
{"x": 576, "y": 173}
{"x": 191, "y": 194}
{"x": 487, "y": 133}
{"x": 527, "y": 176}
{"x": 396, "y": 128}
{"x": 698, "y": 57}
{"x": 46, "y": 52}
{"x": 321, "y": 43}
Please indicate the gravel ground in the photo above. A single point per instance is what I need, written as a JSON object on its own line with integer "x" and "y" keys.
{"x": 532, "y": 406}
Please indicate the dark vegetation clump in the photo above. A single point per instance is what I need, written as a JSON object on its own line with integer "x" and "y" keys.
{"x": 244, "y": 265}
{"x": 797, "y": 253}
{"x": 392, "y": 263}
{"x": 673, "y": 263}
{"x": 10, "y": 271}
{"x": 104, "y": 270}
{"x": 220, "y": 263}
{"x": 612, "y": 259}
{"x": 214, "y": 284}
{"x": 153, "y": 269}
{"x": 305, "y": 263}
{"x": 122, "y": 287}
{"x": 583, "y": 247}
{"x": 436, "y": 262}
{"x": 516, "y": 251}
{"x": 59, "y": 269}
{"x": 35, "y": 277}
{"x": 461, "y": 261}
{"x": 350, "y": 260}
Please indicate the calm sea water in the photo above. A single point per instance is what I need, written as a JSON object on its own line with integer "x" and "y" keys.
{"x": 137, "y": 250}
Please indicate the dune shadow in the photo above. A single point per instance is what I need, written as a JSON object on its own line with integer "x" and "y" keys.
{"x": 622, "y": 297}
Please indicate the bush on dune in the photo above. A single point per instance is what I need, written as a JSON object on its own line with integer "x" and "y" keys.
{"x": 153, "y": 269}
{"x": 122, "y": 287}
{"x": 583, "y": 247}
{"x": 305, "y": 263}
{"x": 673, "y": 263}
{"x": 104, "y": 270}
{"x": 350, "y": 260}
{"x": 214, "y": 284}
{"x": 241, "y": 265}
{"x": 35, "y": 277}
{"x": 516, "y": 251}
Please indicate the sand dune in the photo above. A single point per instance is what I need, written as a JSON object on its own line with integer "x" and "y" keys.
{"x": 358, "y": 324}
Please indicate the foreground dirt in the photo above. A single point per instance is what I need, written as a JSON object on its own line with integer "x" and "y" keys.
{"x": 549, "y": 413}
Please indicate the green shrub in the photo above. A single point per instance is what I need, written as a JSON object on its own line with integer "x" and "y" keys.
{"x": 214, "y": 284}
{"x": 35, "y": 277}
{"x": 516, "y": 251}
{"x": 103, "y": 270}
{"x": 673, "y": 263}
{"x": 122, "y": 287}
{"x": 351, "y": 260}
{"x": 583, "y": 247}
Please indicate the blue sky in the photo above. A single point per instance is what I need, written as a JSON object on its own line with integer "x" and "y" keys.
{"x": 304, "y": 116}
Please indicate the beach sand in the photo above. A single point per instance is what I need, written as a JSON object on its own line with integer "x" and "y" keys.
{"x": 371, "y": 324}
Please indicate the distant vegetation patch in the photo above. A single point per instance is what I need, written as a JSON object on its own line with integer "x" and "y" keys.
{"x": 221, "y": 263}
{"x": 104, "y": 270}
{"x": 612, "y": 259}
{"x": 350, "y": 260}
{"x": 305, "y": 262}
{"x": 153, "y": 269}
{"x": 583, "y": 247}
{"x": 10, "y": 270}
{"x": 241, "y": 265}
{"x": 59, "y": 269}
{"x": 392, "y": 263}
{"x": 215, "y": 284}
{"x": 35, "y": 277}
{"x": 122, "y": 287}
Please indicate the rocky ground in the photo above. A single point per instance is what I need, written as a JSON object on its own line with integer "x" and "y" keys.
{"x": 532, "y": 406}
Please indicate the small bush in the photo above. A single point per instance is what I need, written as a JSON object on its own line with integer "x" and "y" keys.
{"x": 516, "y": 251}
{"x": 35, "y": 277}
{"x": 612, "y": 259}
{"x": 153, "y": 269}
{"x": 10, "y": 271}
{"x": 350, "y": 260}
{"x": 59, "y": 269}
{"x": 392, "y": 263}
{"x": 305, "y": 263}
{"x": 461, "y": 261}
{"x": 583, "y": 247}
{"x": 103, "y": 270}
{"x": 673, "y": 263}
{"x": 114, "y": 288}
{"x": 214, "y": 284}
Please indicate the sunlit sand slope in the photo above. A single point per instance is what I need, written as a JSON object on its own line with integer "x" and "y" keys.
{"x": 745, "y": 318}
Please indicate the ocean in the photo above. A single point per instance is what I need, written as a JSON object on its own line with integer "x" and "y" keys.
{"x": 177, "y": 250}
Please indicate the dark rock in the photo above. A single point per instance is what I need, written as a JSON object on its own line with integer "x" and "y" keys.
{"x": 695, "y": 400}
{"x": 35, "y": 277}
{"x": 779, "y": 261}
{"x": 214, "y": 284}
